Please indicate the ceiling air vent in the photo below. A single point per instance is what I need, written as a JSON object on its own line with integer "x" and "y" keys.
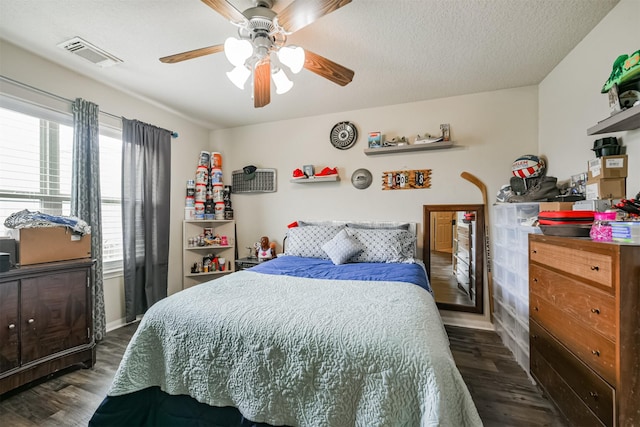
{"x": 89, "y": 52}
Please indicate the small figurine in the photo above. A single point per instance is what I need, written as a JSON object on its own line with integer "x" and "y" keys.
{"x": 265, "y": 251}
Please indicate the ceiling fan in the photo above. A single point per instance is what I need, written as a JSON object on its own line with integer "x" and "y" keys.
{"x": 261, "y": 49}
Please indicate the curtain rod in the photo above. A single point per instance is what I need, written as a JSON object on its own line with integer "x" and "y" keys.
{"x": 61, "y": 98}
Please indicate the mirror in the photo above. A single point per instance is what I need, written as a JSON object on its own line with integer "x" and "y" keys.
{"x": 453, "y": 252}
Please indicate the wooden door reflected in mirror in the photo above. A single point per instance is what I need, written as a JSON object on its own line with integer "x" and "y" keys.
{"x": 454, "y": 255}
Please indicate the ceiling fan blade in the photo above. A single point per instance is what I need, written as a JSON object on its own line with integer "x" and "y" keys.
{"x": 171, "y": 59}
{"x": 226, "y": 9}
{"x": 327, "y": 68}
{"x": 262, "y": 84}
{"x": 301, "y": 13}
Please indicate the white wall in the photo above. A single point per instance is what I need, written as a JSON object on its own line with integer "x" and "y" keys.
{"x": 35, "y": 71}
{"x": 490, "y": 130}
{"x": 570, "y": 99}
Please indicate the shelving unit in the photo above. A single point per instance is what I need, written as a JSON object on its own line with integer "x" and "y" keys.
{"x": 628, "y": 119}
{"x": 409, "y": 147}
{"x": 316, "y": 179}
{"x": 511, "y": 276}
{"x": 194, "y": 254}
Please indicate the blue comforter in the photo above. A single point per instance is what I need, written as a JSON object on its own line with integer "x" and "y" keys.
{"x": 316, "y": 268}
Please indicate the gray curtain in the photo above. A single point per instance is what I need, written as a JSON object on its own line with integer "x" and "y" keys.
{"x": 146, "y": 179}
{"x": 85, "y": 195}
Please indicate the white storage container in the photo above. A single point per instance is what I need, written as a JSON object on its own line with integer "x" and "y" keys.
{"x": 512, "y": 227}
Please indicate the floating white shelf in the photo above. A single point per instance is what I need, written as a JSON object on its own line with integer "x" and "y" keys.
{"x": 315, "y": 179}
{"x": 409, "y": 147}
{"x": 625, "y": 120}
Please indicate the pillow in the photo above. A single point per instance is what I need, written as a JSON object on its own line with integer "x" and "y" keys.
{"x": 307, "y": 241}
{"x": 381, "y": 245}
{"x": 378, "y": 226}
{"x": 342, "y": 247}
{"x": 318, "y": 223}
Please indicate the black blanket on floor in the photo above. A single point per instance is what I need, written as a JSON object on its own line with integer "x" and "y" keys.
{"x": 152, "y": 407}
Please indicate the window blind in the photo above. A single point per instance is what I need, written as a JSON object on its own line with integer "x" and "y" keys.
{"x": 35, "y": 170}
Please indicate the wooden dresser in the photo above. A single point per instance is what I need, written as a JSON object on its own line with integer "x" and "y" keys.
{"x": 584, "y": 329}
{"x": 45, "y": 321}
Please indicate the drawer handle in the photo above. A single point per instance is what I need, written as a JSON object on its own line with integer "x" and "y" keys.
{"x": 534, "y": 336}
{"x": 30, "y": 321}
{"x": 535, "y": 280}
{"x": 595, "y": 268}
{"x": 534, "y": 251}
{"x": 12, "y": 326}
{"x": 594, "y": 395}
{"x": 595, "y": 310}
{"x": 536, "y": 308}
{"x": 595, "y": 353}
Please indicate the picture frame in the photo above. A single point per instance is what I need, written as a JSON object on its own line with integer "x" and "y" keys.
{"x": 614, "y": 100}
{"x": 375, "y": 139}
{"x": 308, "y": 170}
{"x": 446, "y": 135}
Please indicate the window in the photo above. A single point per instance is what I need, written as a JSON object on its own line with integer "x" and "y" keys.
{"x": 35, "y": 171}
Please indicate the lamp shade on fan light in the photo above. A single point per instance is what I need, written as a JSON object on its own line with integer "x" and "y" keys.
{"x": 282, "y": 82}
{"x": 292, "y": 57}
{"x": 237, "y": 51}
{"x": 239, "y": 75}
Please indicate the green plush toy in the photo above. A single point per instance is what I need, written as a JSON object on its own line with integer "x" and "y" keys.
{"x": 626, "y": 69}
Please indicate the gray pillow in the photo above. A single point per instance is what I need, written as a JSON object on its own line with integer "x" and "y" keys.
{"x": 307, "y": 241}
{"x": 342, "y": 247}
{"x": 382, "y": 245}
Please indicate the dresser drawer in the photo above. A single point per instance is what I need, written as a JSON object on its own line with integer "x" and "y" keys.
{"x": 588, "y": 305}
{"x": 592, "y": 348}
{"x": 596, "y": 267}
{"x": 577, "y": 390}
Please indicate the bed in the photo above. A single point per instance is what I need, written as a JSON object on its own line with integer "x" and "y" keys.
{"x": 342, "y": 330}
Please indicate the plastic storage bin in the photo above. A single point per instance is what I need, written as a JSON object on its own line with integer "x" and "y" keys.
{"x": 510, "y": 256}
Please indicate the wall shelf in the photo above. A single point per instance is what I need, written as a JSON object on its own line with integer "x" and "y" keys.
{"x": 195, "y": 254}
{"x": 407, "y": 148}
{"x": 628, "y": 119}
{"x": 316, "y": 179}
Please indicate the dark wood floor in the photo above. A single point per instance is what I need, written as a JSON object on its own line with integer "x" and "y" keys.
{"x": 444, "y": 282}
{"x": 500, "y": 388}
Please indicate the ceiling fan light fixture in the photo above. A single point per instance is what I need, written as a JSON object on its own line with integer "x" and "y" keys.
{"x": 237, "y": 51}
{"x": 239, "y": 76}
{"x": 282, "y": 82}
{"x": 292, "y": 57}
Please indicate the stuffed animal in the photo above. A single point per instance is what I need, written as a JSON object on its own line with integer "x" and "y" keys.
{"x": 265, "y": 250}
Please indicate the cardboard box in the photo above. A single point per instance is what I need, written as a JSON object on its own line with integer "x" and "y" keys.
{"x": 49, "y": 244}
{"x": 556, "y": 206}
{"x": 613, "y": 188}
{"x": 592, "y": 205}
{"x": 608, "y": 167}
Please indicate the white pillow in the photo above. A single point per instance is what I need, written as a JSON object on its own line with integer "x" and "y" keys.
{"x": 307, "y": 241}
{"x": 342, "y": 247}
{"x": 383, "y": 245}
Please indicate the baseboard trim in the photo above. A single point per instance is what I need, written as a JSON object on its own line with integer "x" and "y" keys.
{"x": 119, "y": 323}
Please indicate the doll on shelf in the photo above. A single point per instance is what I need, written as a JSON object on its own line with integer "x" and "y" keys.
{"x": 265, "y": 251}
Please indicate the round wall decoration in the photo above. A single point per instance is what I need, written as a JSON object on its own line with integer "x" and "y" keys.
{"x": 361, "y": 179}
{"x": 343, "y": 135}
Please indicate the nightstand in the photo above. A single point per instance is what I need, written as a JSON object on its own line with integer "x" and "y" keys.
{"x": 248, "y": 262}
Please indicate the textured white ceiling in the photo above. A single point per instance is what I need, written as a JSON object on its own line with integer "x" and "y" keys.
{"x": 401, "y": 50}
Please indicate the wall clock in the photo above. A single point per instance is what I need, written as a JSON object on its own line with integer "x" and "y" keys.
{"x": 361, "y": 179}
{"x": 343, "y": 135}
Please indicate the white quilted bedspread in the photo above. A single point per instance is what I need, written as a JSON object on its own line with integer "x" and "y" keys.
{"x": 302, "y": 352}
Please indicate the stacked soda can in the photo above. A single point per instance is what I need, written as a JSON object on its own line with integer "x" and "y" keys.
{"x": 217, "y": 185}
{"x": 190, "y": 200}
{"x": 202, "y": 182}
{"x": 207, "y": 197}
